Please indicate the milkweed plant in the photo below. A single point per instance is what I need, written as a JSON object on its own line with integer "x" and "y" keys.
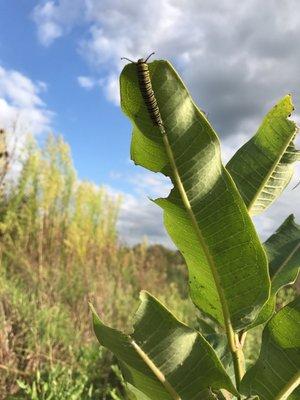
{"x": 233, "y": 277}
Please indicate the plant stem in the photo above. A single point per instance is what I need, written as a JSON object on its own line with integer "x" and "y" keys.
{"x": 237, "y": 356}
{"x": 238, "y": 361}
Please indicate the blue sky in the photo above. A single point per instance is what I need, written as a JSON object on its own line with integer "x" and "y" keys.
{"x": 59, "y": 67}
{"x": 95, "y": 128}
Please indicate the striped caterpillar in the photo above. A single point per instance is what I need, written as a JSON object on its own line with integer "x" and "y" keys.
{"x": 146, "y": 89}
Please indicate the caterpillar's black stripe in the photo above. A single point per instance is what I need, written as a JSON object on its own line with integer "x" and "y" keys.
{"x": 147, "y": 92}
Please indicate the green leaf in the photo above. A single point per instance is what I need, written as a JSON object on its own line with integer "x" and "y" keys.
{"x": 163, "y": 358}
{"x": 264, "y": 166}
{"x": 217, "y": 338}
{"x": 276, "y": 373}
{"x": 136, "y": 394}
{"x": 204, "y": 214}
{"x": 283, "y": 250}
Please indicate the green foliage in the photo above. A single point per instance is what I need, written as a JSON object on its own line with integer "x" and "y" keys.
{"x": 58, "y": 384}
{"x": 207, "y": 215}
{"x": 73, "y": 381}
{"x": 264, "y": 166}
{"x": 283, "y": 250}
{"x": 276, "y": 373}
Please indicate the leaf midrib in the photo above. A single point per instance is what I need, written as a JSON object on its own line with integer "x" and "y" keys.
{"x": 186, "y": 202}
{"x": 272, "y": 169}
{"x": 156, "y": 371}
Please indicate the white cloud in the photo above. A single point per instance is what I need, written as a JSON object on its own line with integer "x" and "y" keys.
{"x": 139, "y": 216}
{"x": 150, "y": 184}
{"x": 54, "y": 19}
{"x": 89, "y": 82}
{"x": 86, "y": 82}
{"x": 112, "y": 89}
{"x": 21, "y": 106}
{"x": 48, "y": 29}
{"x": 20, "y": 90}
{"x": 110, "y": 85}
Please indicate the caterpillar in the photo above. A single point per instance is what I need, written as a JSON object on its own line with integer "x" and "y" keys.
{"x": 146, "y": 89}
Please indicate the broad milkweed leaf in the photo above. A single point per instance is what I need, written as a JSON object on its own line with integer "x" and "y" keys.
{"x": 264, "y": 166}
{"x": 163, "y": 358}
{"x": 276, "y": 374}
{"x": 283, "y": 250}
{"x": 204, "y": 213}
